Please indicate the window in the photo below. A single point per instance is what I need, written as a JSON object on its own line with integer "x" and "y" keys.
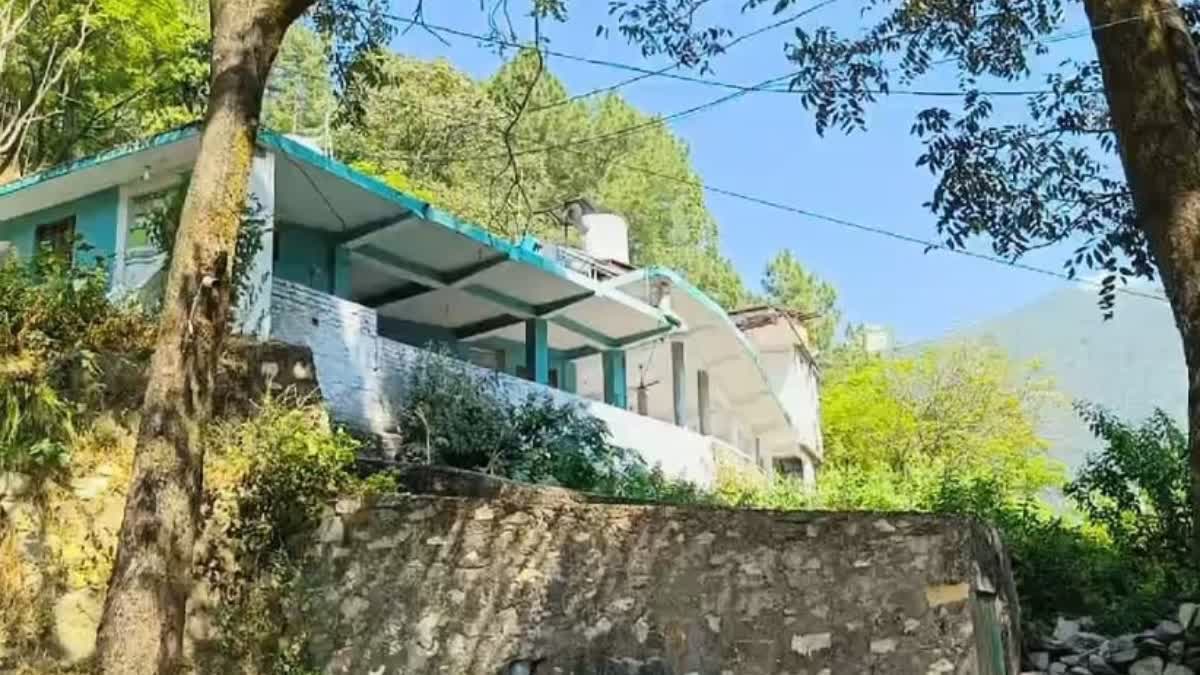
{"x": 56, "y": 239}
{"x": 144, "y": 212}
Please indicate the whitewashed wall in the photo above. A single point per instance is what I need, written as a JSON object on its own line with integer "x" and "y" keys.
{"x": 362, "y": 378}
{"x": 796, "y": 383}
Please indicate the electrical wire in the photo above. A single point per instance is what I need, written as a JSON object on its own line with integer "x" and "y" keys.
{"x": 927, "y": 244}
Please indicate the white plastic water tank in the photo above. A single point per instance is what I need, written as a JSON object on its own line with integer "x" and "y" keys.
{"x": 605, "y": 236}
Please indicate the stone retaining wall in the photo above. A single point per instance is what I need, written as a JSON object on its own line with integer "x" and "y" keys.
{"x": 518, "y": 580}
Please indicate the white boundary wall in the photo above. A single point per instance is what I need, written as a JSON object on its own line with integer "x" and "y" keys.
{"x": 362, "y": 378}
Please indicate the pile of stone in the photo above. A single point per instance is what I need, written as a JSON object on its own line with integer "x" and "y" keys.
{"x": 1170, "y": 648}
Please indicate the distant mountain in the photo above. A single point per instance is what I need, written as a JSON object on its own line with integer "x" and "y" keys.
{"x": 1130, "y": 364}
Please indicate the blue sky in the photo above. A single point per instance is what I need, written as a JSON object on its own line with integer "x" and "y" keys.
{"x": 764, "y": 144}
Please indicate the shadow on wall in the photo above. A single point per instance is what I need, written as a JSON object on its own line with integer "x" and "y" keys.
{"x": 541, "y": 581}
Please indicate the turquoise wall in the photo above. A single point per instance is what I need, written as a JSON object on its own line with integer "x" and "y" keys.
{"x": 95, "y": 223}
{"x": 304, "y": 256}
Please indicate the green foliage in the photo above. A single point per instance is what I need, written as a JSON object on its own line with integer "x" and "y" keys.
{"x": 56, "y": 322}
{"x": 1122, "y": 559}
{"x": 1137, "y": 488}
{"x": 294, "y": 464}
{"x": 142, "y": 68}
{"x": 275, "y": 474}
{"x": 458, "y": 417}
{"x": 787, "y": 284}
{"x": 963, "y": 410}
{"x": 430, "y": 129}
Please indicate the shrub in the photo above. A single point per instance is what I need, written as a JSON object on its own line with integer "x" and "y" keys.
{"x": 56, "y": 323}
{"x": 1137, "y": 488}
{"x": 271, "y": 477}
{"x": 457, "y": 417}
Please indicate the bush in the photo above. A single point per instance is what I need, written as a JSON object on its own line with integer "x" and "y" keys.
{"x": 56, "y": 326}
{"x": 453, "y": 416}
{"x": 272, "y": 475}
{"x": 1137, "y": 488}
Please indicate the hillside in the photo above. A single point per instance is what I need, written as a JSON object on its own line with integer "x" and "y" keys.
{"x": 1131, "y": 363}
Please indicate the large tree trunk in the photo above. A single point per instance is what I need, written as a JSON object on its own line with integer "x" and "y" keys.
{"x": 141, "y": 630}
{"x": 1152, "y": 78}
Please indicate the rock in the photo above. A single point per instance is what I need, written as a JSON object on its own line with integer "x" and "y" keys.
{"x": 1152, "y": 646}
{"x": 1072, "y": 659}
{"x": 1079, "y": 670}
{"x": 1123, "y": 656}
{"x": 1175, "y": 650}
{"x": 1187, "y": 614}
{"x": 14, "y": 484}
{"x": 1148, "y": 666}
{"x": 331, "y": 530}
{"x": 1039, "y": 660}
{"x": 1084, "y": 642}
{"x": 76, "y": 619}
{"x": 1167, "y": 631}
{"x": 1058, "y": 669}
{"x": 1065, "y": 629}
{"x": 1098, "y": 666}
{"x": 89, "y": 487}
{"x": 1177, "y": 669}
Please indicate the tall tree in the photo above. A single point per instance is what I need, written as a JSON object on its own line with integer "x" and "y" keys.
{"x": 141, "y": 629}
{"x": 300, "y": 98}
{"x": 787, "y": 284}
{"x": 85, "y": 76}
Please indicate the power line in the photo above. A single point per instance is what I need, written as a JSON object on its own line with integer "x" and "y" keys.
{"x": 622, "y": 131}
{"x": 645, "y": 73}
{"x": 899, "y": 236}
{"x": 870, "y": 229}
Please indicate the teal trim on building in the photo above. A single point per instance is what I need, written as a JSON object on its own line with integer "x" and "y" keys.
{"x": 537, "y": 350}
{"x": 710, "y": 304}
{"x": 95, "y": 226}
{"x": 279, "y": 142}
{"x": 616, "y": 388}
{"x": 165, "y": 138}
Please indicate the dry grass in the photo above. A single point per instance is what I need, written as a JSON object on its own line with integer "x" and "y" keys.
{"x": 23, "y": 615}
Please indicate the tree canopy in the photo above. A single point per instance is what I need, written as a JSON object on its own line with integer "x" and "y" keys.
{"x": 428, "y": 128}
{"x": 90, "y": 75}
{"x": 898, "y": 422}
{"x": 787, "y": 284}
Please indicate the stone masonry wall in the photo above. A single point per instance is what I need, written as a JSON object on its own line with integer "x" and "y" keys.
{"x": 517, "y": 580}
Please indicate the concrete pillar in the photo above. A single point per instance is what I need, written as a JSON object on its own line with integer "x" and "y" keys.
{"x": 615, "y": 387}
{"x": 702, "y": 401}
{"x": 679, "y": 384}
{"x": 341, "y": 272}
{"x": 809, "y": 475}
{"x": 537, "y": 350}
